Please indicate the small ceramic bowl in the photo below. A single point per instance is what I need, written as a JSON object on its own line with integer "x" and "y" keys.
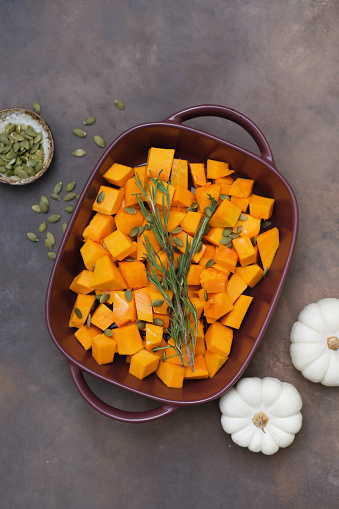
{"x": 30, "y": 118}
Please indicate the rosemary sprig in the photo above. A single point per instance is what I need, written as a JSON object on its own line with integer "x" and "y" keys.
{"x": 183, "y": 315}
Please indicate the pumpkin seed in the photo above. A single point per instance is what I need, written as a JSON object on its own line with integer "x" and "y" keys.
{"x": 55, "y": 197}
{"x": 79, "y": 152}
{"x": 224, "y": 197}
{"x": 194, "y": 205}
{"x": 225, "y": 241}
{"x": 128, "y": 295}
{"x": 141, "y": 325}
{"x": 54, "y": 218}
{"x": 37, "y": 107}
{"x": 10, "y": 128}
{"x": 227, "y": 231}
{"x": 43, "y": 207}
{"x": 78, "y": 312}
{"x": 265, "y": 272}
{"x": 88, "y": 321}
{"x": 42, "y": 227}
{"x": 104, "y": 298}
{"x": 130, "y": 210}
{"x": 208, "y": 212}
{"x": 108, "y": 332}
{"x": 209, "y": 263}
{"x": 207, "y": 229}
{"x": 51, "y": 255}
{"x": 100, "y": 197}
{"x": 15, "y": 178}
{"x": 265, "y": 224}
{"x": 64, "y": 226}
{"x": 38, "y": 138}
{"x": 178, "y": 242}
{"x": 17, "y": 137}
{"x": 158, "y": 321}
{"x": 49, "y": 245}
{"x": 148, "y": 219}
{"x": 57, "y": 188}
{"x": 157, "y": 303}
{"x": 206, "y": 295}
{"x": 119, "y": 105}
{"x": 80, "y": 133}
{"x": 242, "y": 217}
{"x": 141, "y": 230}
{"x": 44, "y": 199}
{"x": 36, "y": 209}
{"x": 147, "y": 226}
{"x": 51, "y": 238}
{"x": 129, "y": 259}
{"x": 69, "y": 209}
{"x": 32, "y": 237}
{"x": 176, "y": 230}
{"x": 254, "y": 240}
{"x": 89, "y": 120}
{"x": 199, "y": 248}
{"x": 99, "y": 141}
{"x": 176, "y": 249}
{"x": 22, "y": 174}
{"x": 134, "y": 232}
{"x": 70, "y": 186}
{"x": 239, "y": 229}
{"x": 234, "y": 235}
{"x": 69, "y": 196}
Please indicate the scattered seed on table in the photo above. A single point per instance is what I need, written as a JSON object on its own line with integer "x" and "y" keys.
{"x": 119, "y": 105}
{"x": 69, "y": 209}
{"x": 70, "y": 186}
{"x": 64, "y": 226}
{"x": 36, "y": 209}
{"x": 32, "y": 237}
{"x": 69, "y": 196}
{"x": 80, "y": 133}
{"x": 42, "y": 227}
{"x": 99, "y": 141}
{"x": 54, "y": 218}
{"x": 51, "y": 255}
{"x": 57, "y": 188}
{"x": 55, "y": 197}
{"x": 79, "y": 152}
{"x": 50, "y": 237}
{"x": 48, "y": 244}
{"x": 89, "y": 120}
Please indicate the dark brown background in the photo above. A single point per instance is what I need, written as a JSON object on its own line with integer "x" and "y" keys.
{"x": 276, "y": 62}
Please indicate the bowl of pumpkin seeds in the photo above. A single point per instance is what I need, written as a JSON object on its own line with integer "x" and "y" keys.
{"x": 26, "y": 146}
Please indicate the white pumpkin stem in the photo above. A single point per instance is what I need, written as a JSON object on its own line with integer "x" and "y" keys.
{"x": 260, "y": 420}
{"x": 333, "y": 343}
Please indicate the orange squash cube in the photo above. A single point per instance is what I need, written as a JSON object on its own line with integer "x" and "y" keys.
{"x": 154, "y": 335}
{"x": 161, "y": 199}
{"x": 191, "y": 222}
{"x": 182, "y": 197}
{"x": 124, "y": 311}
{"x": 198, "y": 174}
{"x": 118, "y": 174}
{"x": 102, "y": 317}
{"x": 161, "y": 259}
{"x": 155, "y": 294}
{"x": 171, "y": 374}
{"x": 128, "y": 339}
{"x": 131, "y": 190}
{"x": 81, "y": 309}
{"x": 140, "y": 171}
{"x": 217, "y": 169}
{"x": 143, "y": 304}
{"x": 159, "y": 162}
{"x": 226, "y": 215}
{"x": 214, "y": 362}
{"x": 235, "y": 317}
{"x": 174, "y": 218}
{"x": 143, "y": 363}
{"x": 141, "y": 249}
{"x": 91, "y": 252}
{"x": 261, "y": 207}
{"x": 193, "y": 275}
{"x": 86, "y": 334}
{"x": 251, "y": 274}
{"x": 202, "y": 195}
{"x": 99, "y": 227}
{"x": 219, "y": 339}
{"x": 250, "y": 227}
{"x": 103, "y": 349}
{"x": 245, "y": 250}
{"x": 242, "y": 203}
{"x": 107, "y": 276}
{"x": 111, "y": 202}
{"x": 119, "y": 245}
{"x": 235, "y": 287}
{"x": 82, "y": 283}
{"x": 268, "y": 243}
{"x": 242, "y": 188}
{"x": 125, "y": 221}
{"x": 199, "y": 369}
{"x": 134, "y": 273}
{"x": 179, "y": 174}
{"x": 209, "y": 254}
{"x": 218, "y": 305}
{"x": 226, "y": 257}
{"x": 213, "y": 281}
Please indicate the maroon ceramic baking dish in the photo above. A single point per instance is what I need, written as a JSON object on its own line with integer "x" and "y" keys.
{"x": 131, "y": 148}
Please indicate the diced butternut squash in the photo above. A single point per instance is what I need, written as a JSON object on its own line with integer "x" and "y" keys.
{"x": 219, "y": 339}
{"x": 182, "y": 197}
{"x": 141, "y": 249}
{"x": 159, "y": 162}
{"x": 117, "y": 174}
{"x": 268, "y": 243}
{"x": 81, "y": 309}
{"x": 226, "y": 257}
{"x": 242, "y": 203}
{"x": 214, "y": 362}
{"x": 128, "y": 339}
{"x": 171, "y": 374}
{"x": 198, "y": 174}
{"x": 191, "y": 222}
{"x": 226, "y": 215}
{"x": 125, "y": 222}
{"x": 99, "y": 227}
{"x": 154, "y": 335}
{"x": 124, "y": 311}
{"x": 251, "y": 274}
{"x": 242, "y": 188}
{"x": 218, "y": 305}
{"x": 82, "y": 283}
{"x": 174, "y": 218}
{"x": 245, "y": 250}
{"x": 86, "y": 334}
{"x": 199, "y": 369}
{"x": 179, "y": 175}
{"x": 161, "y": 197}
{"x": 156, "y": 295}
{"x": 202, "y": 195}
{"x": 235, "y": 287}
{"x": 107, "y": 276}
{"x": 143, "y": 363}
{"x": 102, "y": 317}
{"x": 212, "y": 280}
{"x": 131, "y": 191}
{"x": 261, "y": 206}
{"x": 160, "y": 316}
{"x": 162, "y": 260}
{"x": 140, "y": 171}
{"x": 143, "y": 304}
{"x": 134, "y": 273}
{"x": 217, "y": 169}
{"x": 208, "y": 254}
{"x": 119, "y": 245}
{"x": 91, "y": 252}
{"x": 193, "y": 276}
{"x": 108, "y": 200}
{"x": 103, "y": 349}
{"x": 235, "y": 317}
{"x": 250, "y": 227}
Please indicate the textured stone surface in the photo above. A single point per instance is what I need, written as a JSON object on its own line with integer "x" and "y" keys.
{"x": 276, "y": 62}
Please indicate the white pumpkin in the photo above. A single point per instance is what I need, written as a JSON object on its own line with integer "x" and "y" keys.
{"x": 315, "y": 342}
{"x": 261, "y": 414}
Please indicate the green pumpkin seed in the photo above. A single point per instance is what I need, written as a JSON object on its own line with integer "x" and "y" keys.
{"x": 178, "y": 242}
{"x": 254, "y": 240}
{"x": 38, "y": 138}
{"x": 51, "y": 238}
{"x": 99, "y": 141}
{"x": 176, "y": 230}
{"x": 17, "y": 137}
{"x": 199, "y": 248}
{"x": 9, "y": 173}
{"x": 43, "y": 207}
{"x": 158, "y": 321}
{"x": 265, "y": 224}
{"x": 129, "y": 259}
{"x": 36, "y": 209}
{"x": 225, "y": 241}
{"x": 108, "y": 332}
{"x": 234, "y": 235}
{"x": 88, "y": 321}
{"x": 207, "y": 229}
{"x": 100, "y": 197}
{"x": 194, "y": 205}
{"x": 15, "y": 178}
{"x": 119, "y": 105}
{"x": 70, "y": 186}
{"x": 104, "y": 298}
{"x": 80, "y": 133}
{"x": 51, "y": 255}
{"x": 78, "y": 312}
{"x": 44, "y": 199}
{"x": 10, "y": 128}
{"x": 147, "y": 226}
{"x": 32, "y": 237}
{"x": 208, "y": 212}
{"x": 42, "y": 227}
{"x": 69, "y": 209}
{"x": 242, "y": 217}
{"x": 89, "y": 120}
{"x": 239, "y": 229}
{"x": 227, "y": 231}
{"x": 38, "y": 168}
{"x": 57, "y": 188}
{"x": 141, "y": 230}
{"x": 157, "y": 303}
{"x": 37, "y": 107}
{"x": 176, "y": 249}
{"x": 130, "y": 210}
{"x": 209, "y": 263}
{"x": 141, "y": 325}
{"x": 49, "y": 245}
{"x": 64, "y": 226}
{"x": 79, "y": 152}
{"x": 55, "y": 197}
{"x": 265, "y": 272}
{"x": 224, "y": 197}
{"x": 148, "y": 219}
{"x": 206, "y": 295}
{"x": 128, "y": 295}
{"x": 69, "y": 196}
{"x": 134, "y": 232}
{"x": 54, "y": 218}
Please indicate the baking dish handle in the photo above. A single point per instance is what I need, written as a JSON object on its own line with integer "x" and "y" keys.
{"x": 109, "y": 411}
{"x": 213, "y": 110}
